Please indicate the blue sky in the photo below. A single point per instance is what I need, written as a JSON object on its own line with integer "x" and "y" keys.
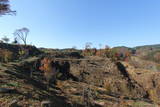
{"x": 67, "y": 23}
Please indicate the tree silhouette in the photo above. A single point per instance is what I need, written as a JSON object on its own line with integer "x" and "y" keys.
{"x": 5, "y": 39}
{"x": 5, "y": 8}
{"x": 22, "y": 34}
{"x": 15, "y": 41}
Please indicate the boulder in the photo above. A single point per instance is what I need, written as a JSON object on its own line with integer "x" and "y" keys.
{"x": 47, "y": 104}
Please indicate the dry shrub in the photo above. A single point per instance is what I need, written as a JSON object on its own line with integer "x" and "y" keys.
{"x": 6, "y": 55}
{"x": 59, "y": 84}
{"x": 153, "y": 95}
{"x": 108, "y": 87}
{"x": 49, "y": 69}
{"x": 88, "y": 96}
{"x": 124, "y": 89}
{"x": 89, "y": 52}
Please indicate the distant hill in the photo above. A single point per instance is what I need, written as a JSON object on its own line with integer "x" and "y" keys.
{"x": 147, "y": 52}
{"x": 156, "y": 46}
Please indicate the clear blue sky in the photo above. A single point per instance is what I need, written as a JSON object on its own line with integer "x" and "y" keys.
{"x": 67, "y": 23}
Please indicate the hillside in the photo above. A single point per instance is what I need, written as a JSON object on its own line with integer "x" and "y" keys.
{"x": 156, "y": 46}
{"x": 88, "y": 81}
{"x": 146, "y": 52}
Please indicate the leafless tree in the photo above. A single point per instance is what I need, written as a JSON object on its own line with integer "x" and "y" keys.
{"x": 107, "y": 47}
{"x": 88, "y": 45}
{"x": 22, "y": 34}
{"x": 5, "y": 8}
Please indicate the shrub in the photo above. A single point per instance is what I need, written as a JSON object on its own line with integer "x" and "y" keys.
{"x": 23, "y": 52}
{"x": 49, "y": 69}
{"x": 6, "y": 55}
{"x": 89, "y": 52}
{"x": 153, "y": 95}
{"x": 108, "y": 87}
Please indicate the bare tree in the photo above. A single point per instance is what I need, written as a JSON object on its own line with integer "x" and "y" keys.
{"x": 88, "y": 45}
{"x": 5, "y": 8}
{"x": 107, "y": 47}
{"x": 22, "y": 34}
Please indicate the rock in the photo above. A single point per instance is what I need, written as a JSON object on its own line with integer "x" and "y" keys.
{"x": 5, "y": 90}
{"x": 46, "y": 104}
{"x": 101, "y": 103}
{"x": 13, "y": 103}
